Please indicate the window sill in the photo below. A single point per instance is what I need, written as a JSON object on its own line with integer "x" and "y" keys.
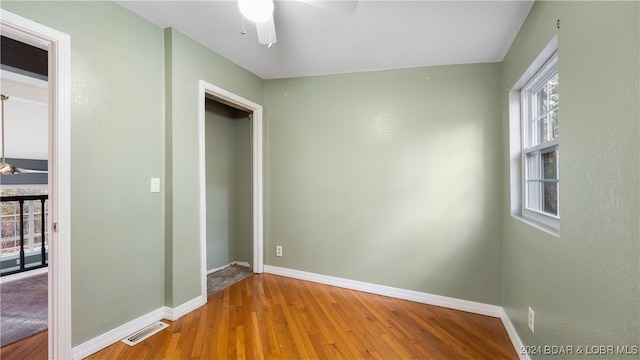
{"x": 542, "y": 227}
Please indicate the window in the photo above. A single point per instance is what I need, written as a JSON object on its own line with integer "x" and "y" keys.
{"x": 540, "y": 145}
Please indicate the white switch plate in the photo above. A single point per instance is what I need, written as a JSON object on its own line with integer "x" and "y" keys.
{"x": 155, "y": 185}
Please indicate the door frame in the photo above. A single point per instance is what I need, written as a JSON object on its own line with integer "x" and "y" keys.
{"x": 207, "y": 90}
{"x": 58, "y": 45}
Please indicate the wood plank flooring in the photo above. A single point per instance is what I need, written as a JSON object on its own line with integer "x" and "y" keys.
{"x": 34, "y": 347}
{"x": 272, "y": 317}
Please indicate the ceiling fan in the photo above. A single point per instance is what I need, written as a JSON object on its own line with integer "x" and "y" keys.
{"x": 261, "y": 13}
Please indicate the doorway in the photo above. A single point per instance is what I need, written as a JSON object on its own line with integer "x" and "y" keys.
{"x": 24, "y": 189}
{"x": 229, "y": 205}
{"x": 248, "y": 118}
{"x": 228, "y": 179}
{"x": 58, "y": 49}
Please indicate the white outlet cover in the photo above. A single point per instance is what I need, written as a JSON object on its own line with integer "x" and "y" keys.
{"x": 532, "y": 320}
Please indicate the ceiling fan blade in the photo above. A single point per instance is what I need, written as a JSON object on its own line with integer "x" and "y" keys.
{"x": 345, "y": 7}
{"x": 31, "y": 171}
{"x": 267, "y": 32}
{"x": 8, "y": 169}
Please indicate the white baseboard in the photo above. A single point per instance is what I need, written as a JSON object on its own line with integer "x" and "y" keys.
{"x": 513, "y": 336}
{"x": 174, "y": 314}
{"x": 218, "y": 269}
{"x": 424, "y": 298}
{"x": 240, "y": 263}
{"x": 111, "y": 337}
{"x": 100, "y": 342}
{"x": 420, "y": 297}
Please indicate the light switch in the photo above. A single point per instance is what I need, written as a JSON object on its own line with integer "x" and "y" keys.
{"x": 155, "y": 185}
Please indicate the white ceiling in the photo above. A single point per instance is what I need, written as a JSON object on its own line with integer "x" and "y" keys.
{"x": 380, "y": 35}
{"x": 25, "y": 116}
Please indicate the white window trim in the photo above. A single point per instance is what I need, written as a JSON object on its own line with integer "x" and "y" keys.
{"x": 541, "y": 67}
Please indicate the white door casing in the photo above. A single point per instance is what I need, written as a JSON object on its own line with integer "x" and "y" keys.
{"x": 233, "y": 100}
{"x": 58, "y": 46}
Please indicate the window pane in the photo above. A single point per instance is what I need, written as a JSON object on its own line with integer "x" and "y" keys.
{"x": 543, "y": 123}
{"x": 540, "y": 102}
{"x": 533, "y": 195}
{"x": 550, "y": 128}
{"x": 540, "y": 129}
{"x": 545, "y": 134}
{"x": 549, "y": 165}
{"x": 546, "y": 98}
{"x": 552, "y": 92}
{"x": 551, "y": 198}
{"x": 541, "y": 181}
{"x": 555, "y": 127}
{"x": 533, "y": 166}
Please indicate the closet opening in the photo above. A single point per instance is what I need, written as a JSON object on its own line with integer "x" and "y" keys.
{"x": 230, "y": 147}
{"x": 229, "y": 217}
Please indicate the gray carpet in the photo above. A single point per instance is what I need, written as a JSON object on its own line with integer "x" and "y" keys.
{"x": 226, "y": 277}
{"x": 23, "y": 308}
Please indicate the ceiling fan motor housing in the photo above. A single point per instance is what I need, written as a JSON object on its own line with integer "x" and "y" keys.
{"x": 256, "y": 10}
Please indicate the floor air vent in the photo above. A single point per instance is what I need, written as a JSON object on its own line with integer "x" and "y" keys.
{"x": 144, "y": 333}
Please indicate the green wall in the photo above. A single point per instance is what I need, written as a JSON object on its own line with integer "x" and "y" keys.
{"x": 389, "y": 177}
{"x": 243, "y": 246}
{"x": 584, "y": 285}
{"x": 187, "y": 63}
{"x": 117, "y": 131}
{"x": 133, "y": 117}
{"x": 228, "y": 183}
{"x": 393, "y": 177}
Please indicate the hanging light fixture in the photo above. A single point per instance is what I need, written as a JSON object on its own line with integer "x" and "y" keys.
{"x": 256, "y": 10}
{"x": 6, "y": 169}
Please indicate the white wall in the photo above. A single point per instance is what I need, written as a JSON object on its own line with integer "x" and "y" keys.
{"x": 25, "y": 117}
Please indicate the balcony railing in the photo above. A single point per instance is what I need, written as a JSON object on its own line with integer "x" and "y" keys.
{"x": 16, "y": 244}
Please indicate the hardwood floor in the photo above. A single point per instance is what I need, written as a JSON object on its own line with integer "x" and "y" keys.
{"x": 34, "y": 347}
{"x": 272, "y": 317}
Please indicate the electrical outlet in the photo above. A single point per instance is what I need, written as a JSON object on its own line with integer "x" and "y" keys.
{"x": 278, "y": 250}
{"x": 532, "y": 320}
